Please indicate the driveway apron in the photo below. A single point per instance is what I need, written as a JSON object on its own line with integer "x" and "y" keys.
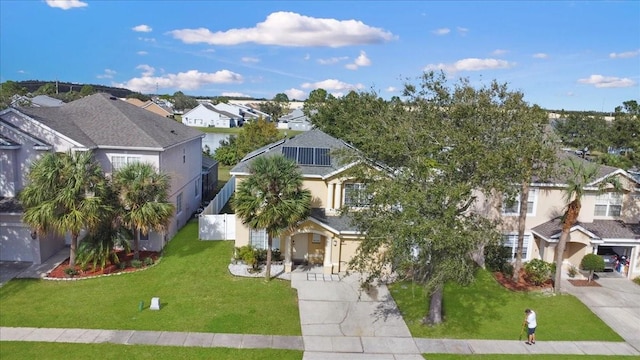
{"x": 338, "y": 317}
{"x": 617, "y": 302}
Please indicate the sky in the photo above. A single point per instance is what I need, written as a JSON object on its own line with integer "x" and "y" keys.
{"x": 571, "y": 55}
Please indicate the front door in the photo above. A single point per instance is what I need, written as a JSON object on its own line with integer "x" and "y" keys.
{"x": 315, "y": 256}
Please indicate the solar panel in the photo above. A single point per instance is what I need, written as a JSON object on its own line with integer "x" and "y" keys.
{"x": 305, "y": 156}
{"x": 290, "y": 152}
{"x": 322, "y": 157}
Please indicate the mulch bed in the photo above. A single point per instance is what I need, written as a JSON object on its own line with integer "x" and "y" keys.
{"x": 522, "y": 284}
{"x": 59, "y": 271}
{"x": 584, "y": 282}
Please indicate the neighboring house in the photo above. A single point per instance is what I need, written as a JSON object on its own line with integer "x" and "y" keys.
{"x": 209, "y": 177}
{"x": 245, "y": 112}
{"x": 45, "y": 101}
{"x": 206, "y": 115}
{"x": 326, "y": 238}
{"x": 295, "y": 120}
{"x": 608, "y": 219}
{"x": 118, "y": 133}
{"x": 150, "y": 106}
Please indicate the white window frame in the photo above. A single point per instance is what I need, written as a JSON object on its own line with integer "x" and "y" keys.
{"x": 532, "y": 202}
{"x": 610, "y": 201}
{"x": 120, "y": 161}
{"x": 179, "y": 203}
{"x": 357, "y": 189}
{"x": 258, "y": 239}
{"x": 510, "y": 240}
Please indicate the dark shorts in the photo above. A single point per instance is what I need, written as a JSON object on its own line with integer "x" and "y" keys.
{"x": 531, "y": 331}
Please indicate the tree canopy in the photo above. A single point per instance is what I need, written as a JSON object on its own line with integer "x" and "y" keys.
{"x": 252, "y": 136}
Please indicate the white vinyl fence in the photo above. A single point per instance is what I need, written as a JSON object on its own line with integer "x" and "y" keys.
{"x": 215, "y": 226}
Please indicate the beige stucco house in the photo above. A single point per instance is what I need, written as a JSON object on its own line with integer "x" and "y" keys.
{"x": 326, "y": 238}
{"x": 607, "y": 219}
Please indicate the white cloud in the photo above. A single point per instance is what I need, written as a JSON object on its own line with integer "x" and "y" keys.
{"x": 147, "y": 39}
{"x": 189, "y": 80}
{"x": 248, "y": 59}
{"x": 296, "y": 94}
{"x": 21, "y": 72}
{"x": 471, "y": 64}
{"x": 66, "y": 4}
{"x": 600, "y": 81}
{"x": 441, "y": 31}
{"x": 142, "y": 28}
{"x": 625, "y": 55}
{"x": 540, "y": 56}
{"x": 291, "y": 29}
{"x": 391, "y": 89}
{"x": 146, "y": 70}
{"x": 570, "y": 93}
{"x": 142, "y": 53}
{"x": 498, "y": 52}
{"x": 361, "y": 60}
{"x": 333, "y": 60}
{"x": 307, "y": 56}
{"x": 108, "y": 74}
{"x": 332, "y": 85}
{"x": 462, "y": 30}
{"x": 234, "y": 94}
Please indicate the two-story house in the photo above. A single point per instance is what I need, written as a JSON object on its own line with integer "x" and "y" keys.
{"x": 326, "y": 238}
{"x": 607, "y": 219}
{"x": 118, "y": 133}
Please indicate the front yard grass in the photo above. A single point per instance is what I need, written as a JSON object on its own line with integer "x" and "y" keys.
{"x": 40, "y": 350}
{"x": 486, "y": 310}
{"x": 192, "y": 280}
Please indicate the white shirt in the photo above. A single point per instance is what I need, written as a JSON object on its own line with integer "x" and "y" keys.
{"x": 531, "y": 320}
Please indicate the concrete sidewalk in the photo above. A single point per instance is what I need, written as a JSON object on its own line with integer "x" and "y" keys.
{"x": 370, "y": 347}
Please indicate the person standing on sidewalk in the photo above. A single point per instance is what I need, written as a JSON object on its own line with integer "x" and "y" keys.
{"x": 532, "y": 323}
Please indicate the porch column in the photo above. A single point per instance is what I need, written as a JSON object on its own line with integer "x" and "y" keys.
{"x": 327, "y": 263}
{"x": 337, "y": 194}
{"x": 330, "y": 192}
{"x": 288, "y": 264}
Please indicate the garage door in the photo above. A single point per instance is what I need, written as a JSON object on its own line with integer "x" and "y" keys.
{"x": 15, "y": 244}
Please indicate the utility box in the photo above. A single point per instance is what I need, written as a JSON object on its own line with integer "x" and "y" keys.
{"x": 155, "y": 303}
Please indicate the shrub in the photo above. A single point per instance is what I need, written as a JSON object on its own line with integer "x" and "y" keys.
{"x": 136, "y": 263}
{"x": 507, "y": 270}
{"x": 276, "y": 255}
{"x": 122, "y": 265}
{"x": 261, "y": 255}
{"x": 71, "y": 272}
{"x": 573, "y": 271}
{"x": 497, "y": 257}
{"x": 637, "y": 280}
{"x": 538, "y": 271}
{"x": 148, "y": 261}
{"x": 591, "y": 263}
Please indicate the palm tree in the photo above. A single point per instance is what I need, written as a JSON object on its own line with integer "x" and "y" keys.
{"x": 65, "y": 193}
{"x": 272, "y": 198}
{"x": 581, "y": 174}
{"x": 143, "y": 194}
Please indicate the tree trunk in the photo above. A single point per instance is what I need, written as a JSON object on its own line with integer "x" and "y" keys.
{"x": 573, "y": 210}
{"x": 435, "y": 307}
{"x": 136, "y": 244}
{"x": 522, "y": 220}
{"x": 72, "y": 250}
{"x": 267, "y": 273}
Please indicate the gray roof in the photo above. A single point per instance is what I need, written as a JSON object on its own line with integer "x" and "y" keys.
{"x": 46, "y": 101}
{"x": 222, "y": 112}
{"x": 603, "y": 229}
{"x": 340, "y": 223}
{"x": 313, "y": 138}
{"x": 101, "y": 120}
{"x": 208, "y": 162}
{"x": 603, "y": 170}
{"x": 5, "y": 141}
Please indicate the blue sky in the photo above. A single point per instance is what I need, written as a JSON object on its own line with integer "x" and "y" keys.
{"x": 573, "y": 55}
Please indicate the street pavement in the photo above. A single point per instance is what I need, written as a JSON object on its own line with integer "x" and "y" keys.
{"x": 339, "y": 320}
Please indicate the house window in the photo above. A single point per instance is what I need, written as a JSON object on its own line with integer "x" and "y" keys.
{"x": 143, "y": 236}
{"x": 184, "y": 156}
{"x": 510, "y": 241}
{"x": 355, "y": 195}
{"x": 608, "y": 204}
{"x": 513, "y": 207}
{"x": 179, "y": 203}
{"x": 118, "y": 162}
{"x": 258, "y": 239}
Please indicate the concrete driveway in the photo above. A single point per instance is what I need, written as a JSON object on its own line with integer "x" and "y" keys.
{"x": 337, "y": 317}
{"x": 616, "y": 302}
{"x": 11, "y": 269}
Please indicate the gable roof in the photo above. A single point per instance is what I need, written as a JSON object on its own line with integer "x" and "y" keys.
{"x": 598, "y": 229}
{"x": 104, "y": 121}
{"x": 314, "y": 138}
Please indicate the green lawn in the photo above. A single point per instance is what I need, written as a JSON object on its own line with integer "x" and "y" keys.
{"x": 486, "y": 310}
{"x": 40, "y": 350}
{"x": 196, "y": 292}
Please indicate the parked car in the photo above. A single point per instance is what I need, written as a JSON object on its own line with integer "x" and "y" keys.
{"x": 610, "y": 257}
